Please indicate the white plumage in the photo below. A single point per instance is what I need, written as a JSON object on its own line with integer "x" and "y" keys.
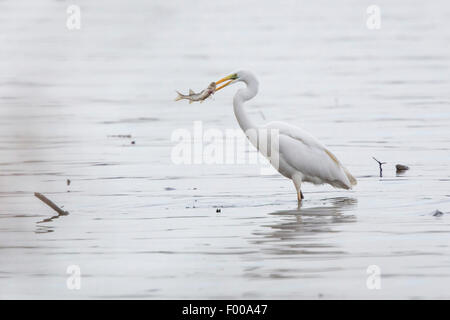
{"x": 301, "y": 158}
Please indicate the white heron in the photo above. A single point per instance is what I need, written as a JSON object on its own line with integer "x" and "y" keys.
{"x": 301, "y": 157}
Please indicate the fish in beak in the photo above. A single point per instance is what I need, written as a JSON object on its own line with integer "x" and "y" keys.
{"x": 201, "y": 96}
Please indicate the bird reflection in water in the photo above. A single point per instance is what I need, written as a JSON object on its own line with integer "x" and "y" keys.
{"x": 304, "y": 224}
{"x": 301, "y": 244}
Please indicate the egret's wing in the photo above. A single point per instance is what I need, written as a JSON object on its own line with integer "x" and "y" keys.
{"x": 306, "y": 154}
{"x": 296, "y": 133}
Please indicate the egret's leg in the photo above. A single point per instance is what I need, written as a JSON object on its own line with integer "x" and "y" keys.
{"x": 300, "y": 196}
{"x": 297, "y": 183}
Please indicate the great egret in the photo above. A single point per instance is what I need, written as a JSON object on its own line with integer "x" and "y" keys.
{"x": 301, "y": 157}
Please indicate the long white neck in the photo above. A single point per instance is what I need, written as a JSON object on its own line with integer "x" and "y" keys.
{"x": 242, "y": 95}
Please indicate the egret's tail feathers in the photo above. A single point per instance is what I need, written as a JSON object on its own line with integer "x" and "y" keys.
{"x": 179, "y": 97}
{"x": 351, "y": 178}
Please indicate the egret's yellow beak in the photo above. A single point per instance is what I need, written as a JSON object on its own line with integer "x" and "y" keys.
{"x": 231, "y": 77}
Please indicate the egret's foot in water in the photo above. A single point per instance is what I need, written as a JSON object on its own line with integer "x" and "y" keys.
{"x": 300, "y": 197}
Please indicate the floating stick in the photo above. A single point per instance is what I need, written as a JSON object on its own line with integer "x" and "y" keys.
{"x": 50, "y": 203}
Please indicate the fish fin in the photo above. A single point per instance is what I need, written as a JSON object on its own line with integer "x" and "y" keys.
{"x": 180, "y": 96}
{"x": 191, "y": 91}
{"x": 190, "y": 101}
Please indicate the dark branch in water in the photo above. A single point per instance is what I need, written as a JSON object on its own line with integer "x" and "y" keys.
{"x": 50, "y": 203}
{"x": 380, "y": 164}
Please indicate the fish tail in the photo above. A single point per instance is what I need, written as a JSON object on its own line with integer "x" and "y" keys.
{"x": 179, "y": 97}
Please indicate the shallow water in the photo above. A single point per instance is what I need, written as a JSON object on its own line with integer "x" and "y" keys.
{"x": 142, "y": 227}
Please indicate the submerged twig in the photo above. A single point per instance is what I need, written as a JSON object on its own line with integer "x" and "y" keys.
{"x": 50, "y": 203}
{"x": 380, "y": 164}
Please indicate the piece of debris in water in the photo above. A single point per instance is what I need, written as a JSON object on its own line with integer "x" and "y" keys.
{"x": 50, "y": 203}
{"x": 120, "y": 136}
{"x": 401, "y": 167}
{"x": 437, "y": 213}
{"x": 133, "y": 142}
{"x": 380, "y": 164}
{"x": 192, "y": 96}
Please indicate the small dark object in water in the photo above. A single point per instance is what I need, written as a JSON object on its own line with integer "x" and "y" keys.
{"x": 169, "y": 188}
{"x": 218, "y": 210}
{"x": 401, "y": 167}
{"x": 380, "y": 164}
{"x": 133, "y": 142}
{"x": 68, "y": 182}
{"x": 437, "y": 213}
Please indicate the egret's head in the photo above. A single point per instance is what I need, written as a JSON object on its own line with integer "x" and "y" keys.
{"x": 245, "y": 76}
{"x": 232, "y": 78}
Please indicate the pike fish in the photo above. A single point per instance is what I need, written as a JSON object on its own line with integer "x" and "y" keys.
{"x": 201, "y": 96}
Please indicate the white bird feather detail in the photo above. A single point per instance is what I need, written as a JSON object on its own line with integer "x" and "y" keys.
{"x": 305, "y": 154}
